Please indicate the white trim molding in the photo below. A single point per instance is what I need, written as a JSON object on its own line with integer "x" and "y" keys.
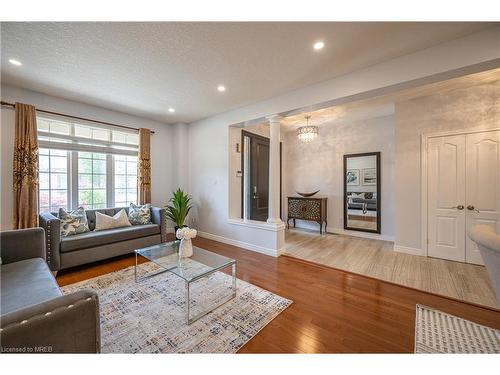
{"x": 409, "y": 250}
{"x": 273, "y": 227}
{"x": 244, "y": 245}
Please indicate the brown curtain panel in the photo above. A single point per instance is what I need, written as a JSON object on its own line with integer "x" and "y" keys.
{"x": 144, "y": 166}
{"x": 25, "y": 168}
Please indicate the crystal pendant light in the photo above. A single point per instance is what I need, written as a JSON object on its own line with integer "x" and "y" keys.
{"x": 307, "y": 133}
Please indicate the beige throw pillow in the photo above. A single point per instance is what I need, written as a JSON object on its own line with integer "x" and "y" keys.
{"x": 103, "y": 221}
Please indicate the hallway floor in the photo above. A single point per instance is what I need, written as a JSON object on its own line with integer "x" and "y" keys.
{"x": 376, "y": 258}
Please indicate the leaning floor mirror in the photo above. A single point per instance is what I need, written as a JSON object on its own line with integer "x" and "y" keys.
{"x": 362, "y": 192}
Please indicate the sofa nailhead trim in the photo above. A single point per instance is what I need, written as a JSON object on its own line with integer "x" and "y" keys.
{"x": 47, "y": 313}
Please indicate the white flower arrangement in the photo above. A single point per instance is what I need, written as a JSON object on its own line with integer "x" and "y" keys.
{"x": 186, "y": 233}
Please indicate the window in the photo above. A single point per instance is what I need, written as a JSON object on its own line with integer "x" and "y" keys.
{"x": 86, "y": 165}
{"x": 92, "y": 180}
{"x": 53, "y": 179}
{"x": 125, "y": 168}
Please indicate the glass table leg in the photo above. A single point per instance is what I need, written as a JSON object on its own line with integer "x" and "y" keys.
{"x": 197, "y": 316}
{"x": 234, "y": 279}
{"x": 135, "y": 268}
{"x": 187, "y": 302}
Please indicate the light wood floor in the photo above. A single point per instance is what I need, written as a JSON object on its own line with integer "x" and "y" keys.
{"x": 333, "y": 311}
{"x": 377, "y": 259}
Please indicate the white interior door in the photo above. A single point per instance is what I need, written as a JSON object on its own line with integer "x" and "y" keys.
{"x": 482, "y": 187}
{"x": 446, "y": 197}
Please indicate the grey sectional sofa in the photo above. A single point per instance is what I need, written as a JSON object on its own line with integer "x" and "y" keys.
{"x": 35, "y": 316}
{"x": 65, "y": 252}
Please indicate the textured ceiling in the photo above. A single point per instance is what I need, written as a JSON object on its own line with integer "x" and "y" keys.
{"x": 145, "y": 68}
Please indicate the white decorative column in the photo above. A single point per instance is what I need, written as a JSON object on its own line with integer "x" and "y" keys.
{"x": 274, "y": 170}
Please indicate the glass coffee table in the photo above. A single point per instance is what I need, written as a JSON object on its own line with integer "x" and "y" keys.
{"x": 200, "y": 265}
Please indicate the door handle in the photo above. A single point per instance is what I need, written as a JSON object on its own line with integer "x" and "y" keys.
{"x": 472, "y": 208}
{"x": 459, "y": 207}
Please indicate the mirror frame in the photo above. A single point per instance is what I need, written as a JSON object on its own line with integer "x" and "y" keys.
{"x": 377, "y": 155}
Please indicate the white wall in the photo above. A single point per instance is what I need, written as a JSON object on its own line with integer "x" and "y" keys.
{"x": 476, "y": 107}
{"x": 179, "y": 153}
{"x": 162, "y": 176}
{"x": 318, "y": 165}
{"x": 208, "y": 138}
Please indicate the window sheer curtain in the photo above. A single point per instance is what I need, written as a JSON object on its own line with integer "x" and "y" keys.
{"x": 25, "y": 168}
{"x": 144, "y": 166}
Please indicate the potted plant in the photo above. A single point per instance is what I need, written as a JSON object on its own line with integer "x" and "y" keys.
{"x": 179, "y": 207}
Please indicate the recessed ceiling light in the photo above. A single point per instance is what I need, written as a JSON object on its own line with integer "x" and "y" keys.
{"x": 15, "y": 62}
{"x": 171, "y": 110}
{"x": 319, "y": 45}
{"x": 221, "y": 88}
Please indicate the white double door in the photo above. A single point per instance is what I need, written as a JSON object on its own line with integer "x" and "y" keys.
{"x": 463, "y": 189}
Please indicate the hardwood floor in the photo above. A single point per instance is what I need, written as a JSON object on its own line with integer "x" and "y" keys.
{"x": 377, "y": 259}
{"x": 333, "y": 311}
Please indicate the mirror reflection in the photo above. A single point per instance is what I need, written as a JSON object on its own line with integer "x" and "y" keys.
{"x": 362, "y": 192}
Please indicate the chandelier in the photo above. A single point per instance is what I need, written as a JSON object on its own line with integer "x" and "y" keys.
{"x": 307, "y": 133}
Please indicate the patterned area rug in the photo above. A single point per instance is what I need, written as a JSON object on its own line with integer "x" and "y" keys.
{"x": 438, "y": 332}
{"x": 150, "y": 316}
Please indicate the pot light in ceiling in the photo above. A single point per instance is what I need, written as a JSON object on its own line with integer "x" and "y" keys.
{"x": 15, "y": 62}
{"x": 319, "y": 45}
{"x": 308, "y": 132}
{"x": 171, "y": 110}
{"x": 221, "y": 88}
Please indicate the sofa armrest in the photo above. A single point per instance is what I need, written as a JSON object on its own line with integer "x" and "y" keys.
{"x": 22, "y": 244}
{"x": 66, "y": 324}
{"x": 159, "y": 216}
{"x": 52, "y": 226}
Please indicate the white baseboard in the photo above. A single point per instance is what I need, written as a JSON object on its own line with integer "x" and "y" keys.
{"x": 409, "y": 250}
{"x": 355, "y": 233}
{"x": 244, "y": 245}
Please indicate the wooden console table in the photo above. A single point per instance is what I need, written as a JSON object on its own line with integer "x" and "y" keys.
{"x": 313, "y": 209}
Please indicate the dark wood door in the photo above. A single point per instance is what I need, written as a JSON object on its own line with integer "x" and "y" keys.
{"x": 259, "y": 178}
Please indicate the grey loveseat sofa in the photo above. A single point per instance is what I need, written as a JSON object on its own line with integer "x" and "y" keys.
{"x": 35, "y": 316}
{"x": 65, "y": 252}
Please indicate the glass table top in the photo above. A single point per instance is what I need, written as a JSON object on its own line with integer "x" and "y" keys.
{"x": 198, "y": 265}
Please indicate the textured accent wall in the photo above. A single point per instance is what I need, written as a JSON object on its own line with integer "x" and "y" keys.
{"x": 475, "y": 107}
{"x": 318, "y": 165}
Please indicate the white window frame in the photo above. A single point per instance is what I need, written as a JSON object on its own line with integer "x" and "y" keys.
{"x": 74, "y": 144}
{"x": 126, "y": 179}
{"x": 68, "y": 182}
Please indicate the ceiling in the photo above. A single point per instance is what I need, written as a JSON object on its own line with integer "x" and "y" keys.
{"x": 350, "y": 112}
{"x": 146, "y": 68}
{"x": 384, "y": 105}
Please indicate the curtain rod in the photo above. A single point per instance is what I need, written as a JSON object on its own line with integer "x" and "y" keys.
{"x": 12, "y": 105}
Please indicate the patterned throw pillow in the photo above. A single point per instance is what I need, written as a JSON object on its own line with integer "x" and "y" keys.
{"x": 73, "y": 222}
{"x": 138, "y": 215}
